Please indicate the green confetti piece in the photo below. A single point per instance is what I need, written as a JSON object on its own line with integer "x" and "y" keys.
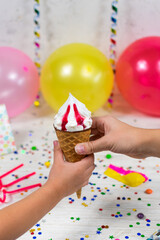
{"x": 108, "y": 156}
{"x": 111, "y": 237}
{"x": 34, "y": 148}
{"x": 103, "y": 193}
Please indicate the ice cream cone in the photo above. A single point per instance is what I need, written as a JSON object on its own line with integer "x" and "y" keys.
{"x": 68, "y": 141}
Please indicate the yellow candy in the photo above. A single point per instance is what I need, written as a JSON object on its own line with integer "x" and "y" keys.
{"x": 36, "y": 103}
{"x": 47, "y": 164}
{"x": 84, "y": 204}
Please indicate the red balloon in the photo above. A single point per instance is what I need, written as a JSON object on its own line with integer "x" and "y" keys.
{"x": 138, "y": 75}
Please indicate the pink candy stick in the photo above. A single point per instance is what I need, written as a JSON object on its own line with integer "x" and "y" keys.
{"x": 7, "y": 173}
{"x": 125, "y": 172}
{"x": 25, "y": 188}
{"x": 2, "y": 200}
{"x": 18, "y": 180}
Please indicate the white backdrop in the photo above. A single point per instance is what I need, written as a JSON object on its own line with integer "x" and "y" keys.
{"x": 66, "y": 21}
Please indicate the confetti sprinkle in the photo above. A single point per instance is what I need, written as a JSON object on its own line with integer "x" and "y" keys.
{"x": 108, "y": 156}
{"x": 36, "y": 103}
{"x": 34, "y": 148}
{"x": 148, "y": 191}
{"x": 47, "y": 164}
{"x": 140, "y": 215}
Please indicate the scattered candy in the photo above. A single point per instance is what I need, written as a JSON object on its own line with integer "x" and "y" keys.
{"x": 140, "y": 215}
{"x": 47, "y": 164}
{"x": 148, "y": 191}
{"x": 109, "y": 201}
{"x": 36, "y": 103}
{"x": 108, "y": 156}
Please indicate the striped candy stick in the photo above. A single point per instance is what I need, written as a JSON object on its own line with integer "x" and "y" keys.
{"x": 37, "y": 34}
{"x": 113, "y": 42}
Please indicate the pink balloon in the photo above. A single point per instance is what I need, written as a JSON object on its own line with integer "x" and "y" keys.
{"x": 138, "y": 75}
{"x": 19, "y": 80}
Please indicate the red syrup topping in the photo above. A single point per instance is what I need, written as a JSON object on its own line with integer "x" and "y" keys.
{"x": 65, "y": 119}
{"x": 78, "y": 117}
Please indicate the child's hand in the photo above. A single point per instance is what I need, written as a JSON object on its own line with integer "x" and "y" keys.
{"x": 116, "y": 136}
{"x": 66, "y": 177}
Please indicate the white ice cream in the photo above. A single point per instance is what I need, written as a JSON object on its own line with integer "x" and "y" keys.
{"x": 73, "y": 116}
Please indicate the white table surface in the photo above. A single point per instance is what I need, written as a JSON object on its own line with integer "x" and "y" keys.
{"x": 82, "y": 219}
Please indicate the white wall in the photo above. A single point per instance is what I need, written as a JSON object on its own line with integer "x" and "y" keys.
{"x": 66, "y": 21}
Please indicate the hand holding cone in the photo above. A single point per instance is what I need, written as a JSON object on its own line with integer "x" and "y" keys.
{"x": 68, "y": 141}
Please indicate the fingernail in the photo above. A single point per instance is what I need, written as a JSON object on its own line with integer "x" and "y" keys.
{"x": 55, "y": 143}
{"x": 80, "y": 149}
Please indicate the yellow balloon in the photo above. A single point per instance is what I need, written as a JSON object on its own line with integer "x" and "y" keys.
{"x": 79, "y": 69}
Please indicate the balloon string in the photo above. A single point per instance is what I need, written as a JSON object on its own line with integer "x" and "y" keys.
{"x": 37, "y": 34}
{"x": 113, "y": 43}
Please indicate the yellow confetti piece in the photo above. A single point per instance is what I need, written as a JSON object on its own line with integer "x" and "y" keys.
{"x": 134, "y": 210}
{"x": 84, "y": 204}
{"x": 37, "y": 64}
{"x": 5, "y": 145}
{"x": 38, "y": 229}
{"x": 47, "y": 164}
{"x": 32, "y": 230}
{"x": 36, "y": 103}
{"x": 87, "y": 236}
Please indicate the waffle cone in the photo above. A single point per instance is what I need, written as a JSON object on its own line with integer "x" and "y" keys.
{"x": 68, "y": 141}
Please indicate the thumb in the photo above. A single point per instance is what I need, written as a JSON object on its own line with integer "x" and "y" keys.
{"x": 58, "y": 155}
{"x": 92, "y": 147}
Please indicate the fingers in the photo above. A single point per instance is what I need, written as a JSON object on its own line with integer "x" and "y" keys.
{"x": 92, "y": 147}
{"x": 87, "y": 162}
{"x": 89, "y": 171}
{"x": 101, "y": 124}
{"x": 94, "y": 137}
{"x": 58, "y": 155}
